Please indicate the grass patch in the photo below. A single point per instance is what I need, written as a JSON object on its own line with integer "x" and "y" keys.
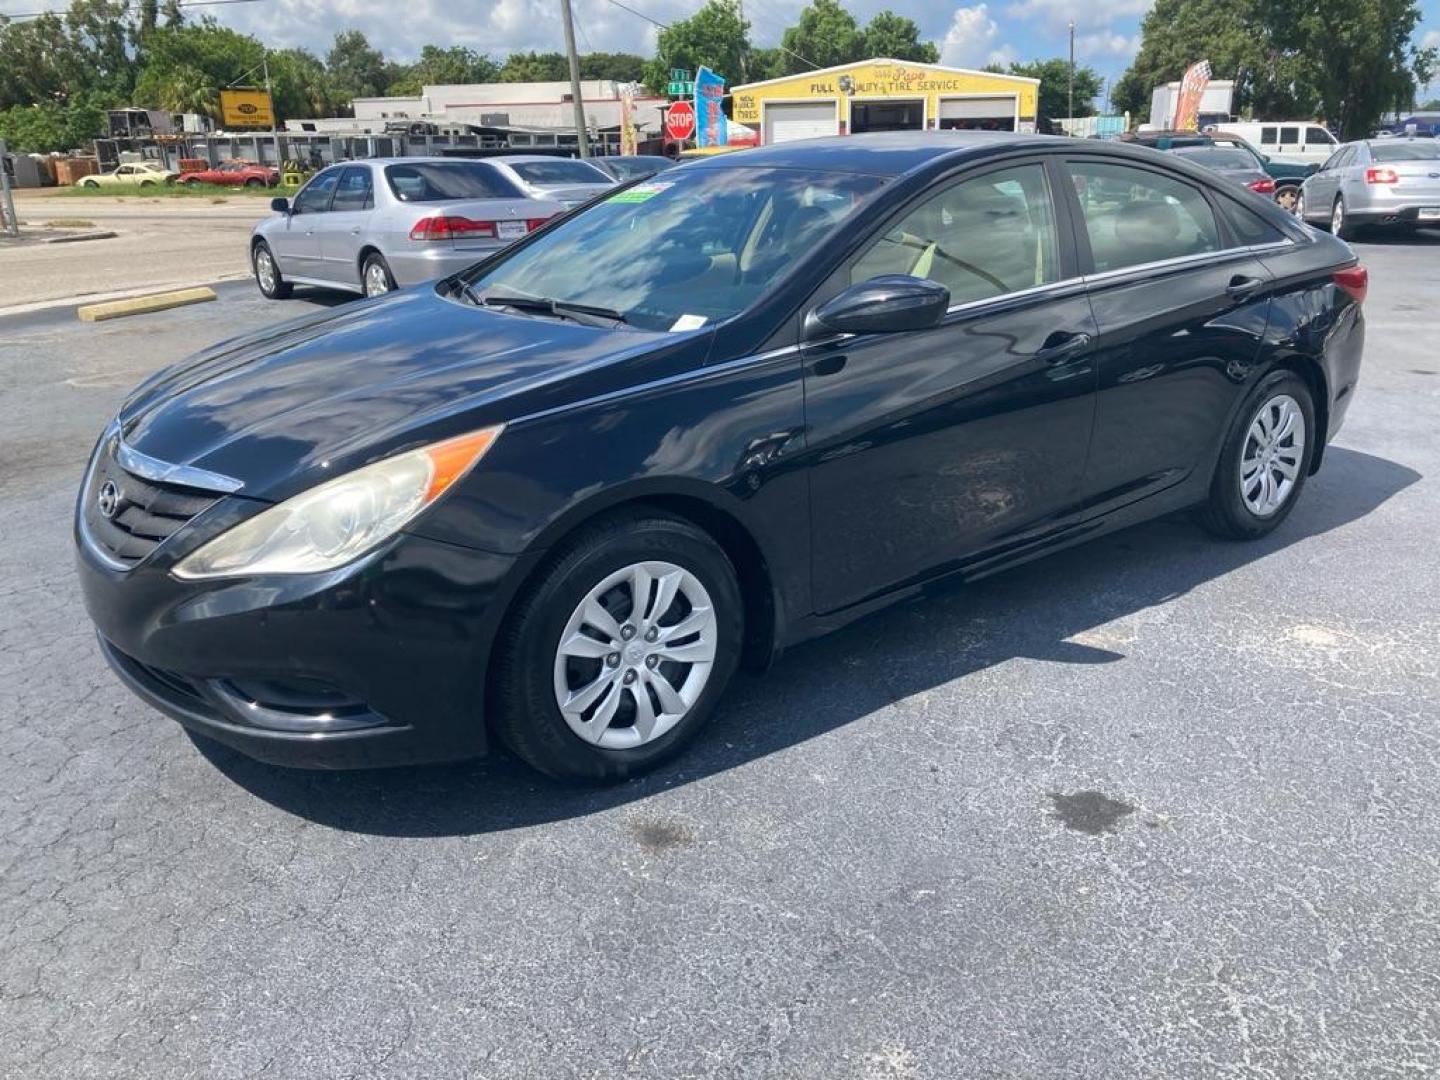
{"x": 69, "y": 223}
{"x": 177, "y": 191}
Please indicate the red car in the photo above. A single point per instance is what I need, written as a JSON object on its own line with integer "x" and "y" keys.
{"x": 235, "y": 174}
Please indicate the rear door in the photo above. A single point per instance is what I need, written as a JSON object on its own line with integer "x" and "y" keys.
{"x": 340, "y": 230}
{"x": 930, "y": 448}
{"x": 1181, "y": 300}
{"x": 297, "y": 246}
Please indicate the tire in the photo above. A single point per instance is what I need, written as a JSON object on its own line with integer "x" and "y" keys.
{"x": 1287, "y": 198}
{"x": 147, "y": 183}
{"x": 1231, "y": 510}
{"x": 1340, "y": 223}
{"x": 375, "y": 276}
{"x": 89, "y": 184}
{"x": 272, "y": 285}
{"x": 254, "y": 182}
{"x": 531, "y": 672}
{"x": 190, "y": 181}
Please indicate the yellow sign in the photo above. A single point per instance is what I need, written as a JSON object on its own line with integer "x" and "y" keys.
{"x": 246, "y": 108}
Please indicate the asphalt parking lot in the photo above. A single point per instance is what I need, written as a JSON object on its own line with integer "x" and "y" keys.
{"x": 1160, "y": 806}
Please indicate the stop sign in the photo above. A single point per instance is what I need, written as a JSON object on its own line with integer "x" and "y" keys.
{"x": 680, "y": 120}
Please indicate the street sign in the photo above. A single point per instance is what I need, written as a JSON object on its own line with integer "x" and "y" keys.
{"x": 246, "y": 108}
{"x": 680, "y": 120}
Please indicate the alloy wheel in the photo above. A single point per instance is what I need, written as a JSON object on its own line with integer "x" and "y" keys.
{"x": 376, "y": 280}
{"x": 1273, "y": 454}
{"x": 265, "y": 270}
{"x": 635, "y": 655}
{"x": 1288, "y": 199}
{"x": 1337, "y": 217}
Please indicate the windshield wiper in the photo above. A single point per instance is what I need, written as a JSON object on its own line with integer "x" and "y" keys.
{"x": 587, "y": 314}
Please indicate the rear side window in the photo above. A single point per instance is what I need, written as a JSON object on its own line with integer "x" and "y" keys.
{"x": 1134, "y": 216}
{"x": 353, "y": 192}
{"x": 437, "y": 181}
{"x": 1289, "y": 136}
{"x": 983, "y": 237}
{"x": 1248, "y": 226}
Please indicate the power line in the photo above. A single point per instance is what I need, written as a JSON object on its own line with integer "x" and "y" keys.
{"x": 61, "y": 12}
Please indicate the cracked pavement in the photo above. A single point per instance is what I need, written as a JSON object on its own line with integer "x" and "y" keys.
{"x": 1158, "y": 806}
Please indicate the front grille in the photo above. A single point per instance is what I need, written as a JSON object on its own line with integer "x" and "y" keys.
{"x": 146, "y": 512}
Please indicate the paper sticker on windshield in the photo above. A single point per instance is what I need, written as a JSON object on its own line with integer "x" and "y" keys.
{"x": 688, "y": 322}
{"x": 641, "y": 192}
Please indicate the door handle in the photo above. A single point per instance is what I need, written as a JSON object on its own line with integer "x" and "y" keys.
{"x": 1062, "y": 346}
{"x": 1242, "y": 287}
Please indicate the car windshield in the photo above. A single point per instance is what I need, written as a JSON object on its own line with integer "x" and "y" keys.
{"x": 1215, "y": 157}
{"x": 630, "y": 168}
{"x": 559, "y": 171}
{"x": 692, "y": 247}
{"x": 436, "y": 181}
{"x": 1406, "y": 151}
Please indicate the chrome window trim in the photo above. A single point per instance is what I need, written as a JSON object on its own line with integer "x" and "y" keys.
{"x": 164, "y": 472}
{"x": 1179, "y": 262}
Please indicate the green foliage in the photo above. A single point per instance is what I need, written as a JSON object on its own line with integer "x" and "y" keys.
{"x": 897, "y": 38}
{"x": 443, "y": 67}
{"x": 301, "y": 85}
{"x": 185, "y": 67}
{"x": 1055, "y": 86}
{"x": 534, "y": 67}
{"x": 762, "y": 64}
{"x": 42, "y": 128}
{"x": 621, "y": 67}
{"x": 355, "y": 68}
{"x": 715, "y": 36}
{"x": 825, "y": 34}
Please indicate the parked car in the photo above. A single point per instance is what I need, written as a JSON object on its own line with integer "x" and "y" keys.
{"x": 622, "y": 167}
{"x": 1393, "y": 182}
{"x": 1234, "y": 164}
{"x": 560, "y": 496}
{"x": 235, "y": 174}
{"x": 568, "y": 181}
{"x": 1287, "y": 175}
{"x": 1295, "y": 142}
{"x": 144, "y": 173}
{"x": 373, "y": 226}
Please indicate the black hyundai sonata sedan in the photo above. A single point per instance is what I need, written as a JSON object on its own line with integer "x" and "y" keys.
{"x": 559, "y": 497}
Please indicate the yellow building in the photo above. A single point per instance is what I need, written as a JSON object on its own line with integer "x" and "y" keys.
{"x": 885, "y": 95}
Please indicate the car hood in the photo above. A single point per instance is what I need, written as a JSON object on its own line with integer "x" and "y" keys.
{"x": 293, "y": 404}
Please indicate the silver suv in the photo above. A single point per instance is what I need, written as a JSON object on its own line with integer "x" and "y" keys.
{"x": 372, "y": 226}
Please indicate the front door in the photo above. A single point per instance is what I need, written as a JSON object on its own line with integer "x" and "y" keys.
{"x": 933, "y": 447}
{"x": 297, "y": 246}
{"x": 1181, "y": 304}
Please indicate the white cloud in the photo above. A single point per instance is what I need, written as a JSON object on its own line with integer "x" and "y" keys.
{"x": 1431, "y": 40}
{"x": 1106, "y": 44}
{"x": 973, "y": 40}
{"x": 1058, "y": 13}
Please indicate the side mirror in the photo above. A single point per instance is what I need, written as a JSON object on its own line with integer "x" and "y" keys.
{"x": 890, "y": 304}
{"x": 280, "y": 205}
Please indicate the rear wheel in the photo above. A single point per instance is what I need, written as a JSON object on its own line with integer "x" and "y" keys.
{"x": 254, "y": 182}
{"x": 1340, "y": 223}
{"x": 267, "y": 273}
{"x": 375, "y": 275}
{"x": 1266, "y": 459}
{"x": 1288, "y": 198}
{"x": 618, "y": 656}
{"x": 89, "y": 183}
{"x": 147, "y": 183}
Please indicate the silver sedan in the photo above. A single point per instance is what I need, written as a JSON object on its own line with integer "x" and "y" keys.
{"x": 567, "y": 180}
{"x": 372, "y": 226}
{"x": 1374, "y": 182}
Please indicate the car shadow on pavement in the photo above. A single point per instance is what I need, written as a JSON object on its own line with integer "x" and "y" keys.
{"x": 1033, "y": 611}
{"x": 1399, "y": 237}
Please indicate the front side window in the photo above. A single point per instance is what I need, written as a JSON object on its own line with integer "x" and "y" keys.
{"x": 691, "y": 247}
{"x": 315, "y": 198}
{"x": 1135, "y": 216}
{"x": 558, "y": 171}
{"x": 353, "y": 190}
{"x": 432, "y": 181}
{"x": 1318, "y": 136}
{"x": 982, "y": 237}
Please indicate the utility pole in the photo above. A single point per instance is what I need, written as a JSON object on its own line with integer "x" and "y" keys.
{"x": 1071, "y": 80}
{"x": 274, "y": 122}
{"x": 7, "y": 204}
{"x": 743, "y": 77}
{"x": 580, "y": 134}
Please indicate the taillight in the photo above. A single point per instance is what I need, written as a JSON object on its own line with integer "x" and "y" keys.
{"x": 1381, "y": 175}
{"x": 450, "y": 227}
{"x": 531, "y": 224}
{"x": 1355, "y": 280}
{"x": 1265, "y": 185}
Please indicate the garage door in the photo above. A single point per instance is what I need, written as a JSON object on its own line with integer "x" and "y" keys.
{"x": 972, "y": 109}
{"x": 808, "y": 121}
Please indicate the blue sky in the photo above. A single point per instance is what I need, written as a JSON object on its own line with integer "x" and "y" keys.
{"x": 969, "y": 35}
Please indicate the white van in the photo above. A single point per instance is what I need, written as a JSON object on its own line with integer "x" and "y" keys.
{"x": 1295, "y": 142}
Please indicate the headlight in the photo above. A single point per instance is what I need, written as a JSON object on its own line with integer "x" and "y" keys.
{"x": 341, "y": 519}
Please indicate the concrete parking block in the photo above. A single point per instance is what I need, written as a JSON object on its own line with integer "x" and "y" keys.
{"x": 139, "y": 305}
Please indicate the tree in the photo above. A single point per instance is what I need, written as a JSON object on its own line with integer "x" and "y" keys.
{"x": 620, "y": 67}
{"x": 1055, "y": 86}
{"x": 1433, "y": 105}
{"x": 186, "y": 66}
{"x": 355, "y": 69}
{"x": 301, "y": 85}
{"x": 825, "y": 34}
{"x": 762, "y": 64}
{"x": 39, "y": 129}
{"x": 897, "y": 38}
{"x": 534, "y": 67}
{"x": 715, "y": 36}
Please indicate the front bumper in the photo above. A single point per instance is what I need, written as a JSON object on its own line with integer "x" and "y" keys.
{"x": 379, "y": 663}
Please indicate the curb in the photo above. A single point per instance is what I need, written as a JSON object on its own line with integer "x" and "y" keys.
{"x": 140, "y": 305}
{"x": 103, "y": 235}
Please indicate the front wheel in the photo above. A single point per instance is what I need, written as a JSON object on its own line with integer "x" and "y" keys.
{"x": 89, "y": 184}
{"x": 1288, "y": 198}
{"x": 1265, "y": 461}
{"x": 254, "y": 182}
{"x": 267, "y": 273}
{"x": 618, "y": 656}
